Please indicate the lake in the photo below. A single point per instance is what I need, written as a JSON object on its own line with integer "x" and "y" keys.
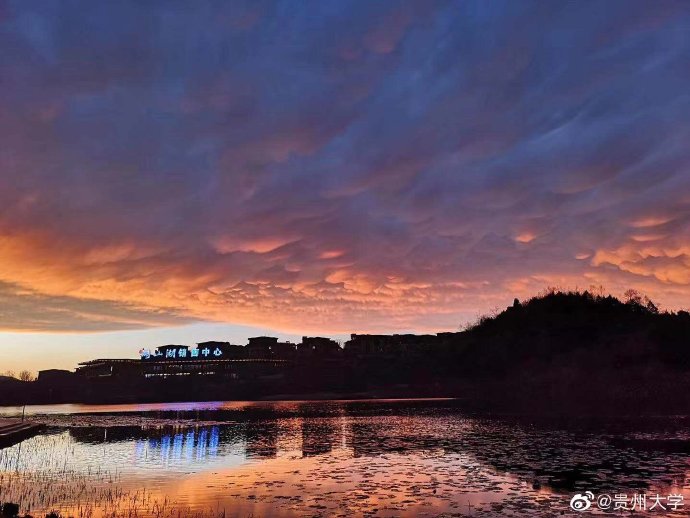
{"x": 338, "y": 458}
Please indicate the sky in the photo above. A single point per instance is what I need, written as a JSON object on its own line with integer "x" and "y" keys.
{"x": 175, "y": 171}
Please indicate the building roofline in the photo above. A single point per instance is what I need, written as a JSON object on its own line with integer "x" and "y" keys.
{"x": 177, "y": 360}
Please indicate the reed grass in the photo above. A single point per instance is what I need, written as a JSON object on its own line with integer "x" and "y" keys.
{"x": 39, "y": 477}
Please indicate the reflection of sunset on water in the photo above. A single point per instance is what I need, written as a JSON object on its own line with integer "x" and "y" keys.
{"x": 329, "y": 459}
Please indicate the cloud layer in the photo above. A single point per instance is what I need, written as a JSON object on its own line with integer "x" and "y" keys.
{"x": 338, "y": 165}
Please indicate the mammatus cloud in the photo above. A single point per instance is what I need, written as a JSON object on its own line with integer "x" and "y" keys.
{"x": 339, "y": 166}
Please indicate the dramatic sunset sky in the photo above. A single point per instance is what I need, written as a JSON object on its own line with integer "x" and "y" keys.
{"x": 174, "y": 171}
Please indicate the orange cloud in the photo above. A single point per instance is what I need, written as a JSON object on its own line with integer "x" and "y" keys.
{"x": 526, "y": 237}
{"x": 331, "y": 254}
{"x": 652, "y": 221}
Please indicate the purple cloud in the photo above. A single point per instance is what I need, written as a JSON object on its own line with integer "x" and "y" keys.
{"x": 342, "y": 165}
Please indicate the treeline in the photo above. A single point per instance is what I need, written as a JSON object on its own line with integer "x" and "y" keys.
{"x": 24, "y": 375}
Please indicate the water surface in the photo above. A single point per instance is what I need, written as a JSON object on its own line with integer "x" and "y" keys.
{"x": 343, "y": 458}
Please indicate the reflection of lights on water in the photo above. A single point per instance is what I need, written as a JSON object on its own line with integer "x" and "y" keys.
{"x": 189, "y": 445}
{"x": 201, "y": 446}
{"x": 139, "y": 449}
{"x": 165, "y": 447}
{"x": 179, "y": 446}
{"x": 214, "y": 441}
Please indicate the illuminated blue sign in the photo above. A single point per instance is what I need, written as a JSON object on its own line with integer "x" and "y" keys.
{"x": 181, "y": 353}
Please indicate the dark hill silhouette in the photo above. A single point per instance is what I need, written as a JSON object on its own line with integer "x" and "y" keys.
{"x": 560, "y": 323}
{"x": 576, "y": 351}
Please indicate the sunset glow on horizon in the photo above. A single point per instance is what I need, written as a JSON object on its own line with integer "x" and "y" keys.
{"x": 217, "y": 172}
